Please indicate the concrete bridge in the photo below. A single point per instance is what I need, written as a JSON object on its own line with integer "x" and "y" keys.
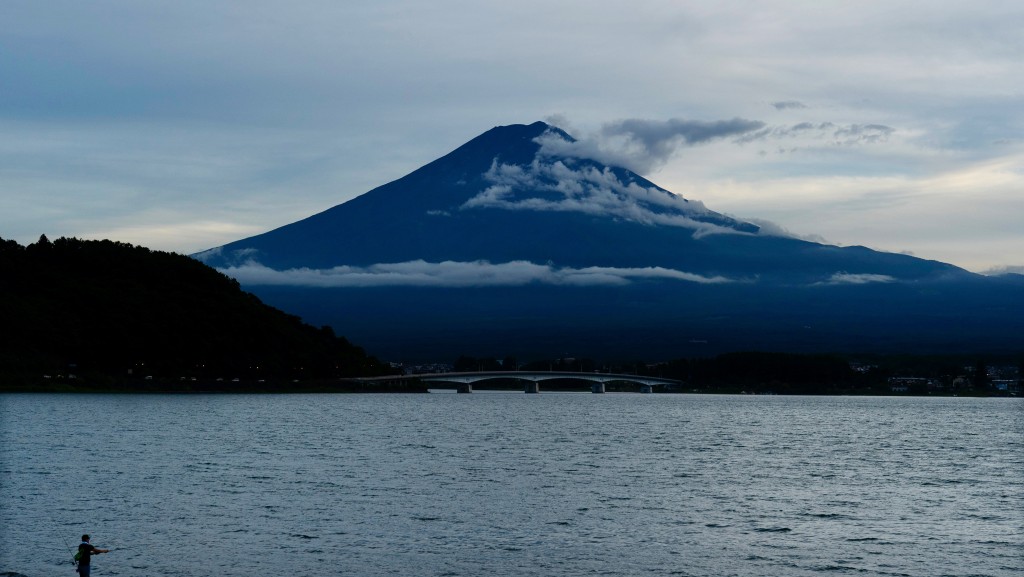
{"x": 463, "y": 382}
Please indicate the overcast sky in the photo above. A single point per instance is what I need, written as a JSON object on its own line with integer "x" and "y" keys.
{"x": 185, "y": 125}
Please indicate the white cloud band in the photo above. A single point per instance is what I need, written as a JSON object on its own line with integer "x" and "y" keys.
{"x": 591, "y": 191}
{"x": 847, "y": 278}
{"x": 456, "y": 274}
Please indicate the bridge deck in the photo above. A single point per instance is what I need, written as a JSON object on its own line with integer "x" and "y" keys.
{"x": 531, "y": 376}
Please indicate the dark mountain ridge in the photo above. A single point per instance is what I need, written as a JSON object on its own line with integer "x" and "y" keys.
{"x": 115, "y": 313}
{"x": 512, "y": 245}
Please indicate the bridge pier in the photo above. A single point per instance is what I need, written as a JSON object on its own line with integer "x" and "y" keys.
{"x": 646, "y": 388}
{"x": 597, "y": 388}
{"x": 465, "y": 388}
{"x": 532, "y": 387}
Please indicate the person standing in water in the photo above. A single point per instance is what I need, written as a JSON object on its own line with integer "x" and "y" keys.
{"x": 87, "y": 551}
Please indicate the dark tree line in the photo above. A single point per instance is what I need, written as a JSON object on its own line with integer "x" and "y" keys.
{"x": 782, "y": 373}
{"x": 114, "y": 311}
{"x": 567, "y": 365}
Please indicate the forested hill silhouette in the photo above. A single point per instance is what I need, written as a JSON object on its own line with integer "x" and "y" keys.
{"x": 115, "y": 315}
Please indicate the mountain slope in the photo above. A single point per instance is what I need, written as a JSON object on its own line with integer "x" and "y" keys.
{"x": 107, "y": 310}
{"x": 499, "y": 198}
{"x": 516, "y": 238}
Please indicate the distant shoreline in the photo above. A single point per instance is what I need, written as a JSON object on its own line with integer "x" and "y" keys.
{"x": 355, "y": 386}
{"x": 214, "y": 387}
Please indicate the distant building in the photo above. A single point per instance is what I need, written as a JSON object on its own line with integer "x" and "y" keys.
{"x": 862, "y": 367}
{"x": 1006, "y": 385}
{"x": 906, "y": 384}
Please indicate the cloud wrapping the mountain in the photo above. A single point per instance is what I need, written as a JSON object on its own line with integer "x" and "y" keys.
{"x": 661, "y": 138}
{"x": 589, "y": 190}
{"x": 770, "y": 228}
{"x": 455, "y": 274}
{"x": 862, "y": 278}
{"x": 237, "y": 255}
{"x": 1001, "y": 270}
{"x": 644, "y": 145}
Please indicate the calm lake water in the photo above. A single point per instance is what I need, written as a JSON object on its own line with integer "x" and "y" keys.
{"x": 507, "y": 484}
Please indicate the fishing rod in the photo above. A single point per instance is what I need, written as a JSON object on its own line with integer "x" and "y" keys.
{"x": 66, "y": 544}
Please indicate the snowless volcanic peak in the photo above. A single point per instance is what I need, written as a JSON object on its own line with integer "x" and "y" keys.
{"x": 507, "y": 183}
{"x": 525, "y": 240}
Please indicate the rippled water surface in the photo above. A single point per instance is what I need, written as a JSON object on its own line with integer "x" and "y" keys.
{"x": 512, "y": 484}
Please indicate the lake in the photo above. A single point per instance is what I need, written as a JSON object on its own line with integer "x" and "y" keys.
{"x": 508, "y": 484}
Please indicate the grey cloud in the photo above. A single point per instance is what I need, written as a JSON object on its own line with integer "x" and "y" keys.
{"x": 561, "y": 121}
{"x": 236, "y": 256}
{"x": 804, "y": 126}
{"x": 642, "y": 145}
{"x": 659, "y": 140}
{"x": 1001, "y": 270}
{"x": 788, "y": 104}
{"x": 658, "y": 136}
{"x": 206, "y": 255}
{"x": 842, "y": 135}
{"x": 769, "y": 228}
{"x": 811, "y": 129}
{"x": 455, "y": 274}
{"x": 862, "y": 133}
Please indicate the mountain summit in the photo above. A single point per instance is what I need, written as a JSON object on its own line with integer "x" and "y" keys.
{"x": 519, "y": 242}
{"x": 502, "y": 178}
{"x": 509, "y": 196}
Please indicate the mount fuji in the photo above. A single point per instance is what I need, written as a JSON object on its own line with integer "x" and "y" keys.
{"x": 516, "y": 243}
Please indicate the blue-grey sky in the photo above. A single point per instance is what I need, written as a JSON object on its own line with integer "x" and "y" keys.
{"x": 186, "y": 125}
